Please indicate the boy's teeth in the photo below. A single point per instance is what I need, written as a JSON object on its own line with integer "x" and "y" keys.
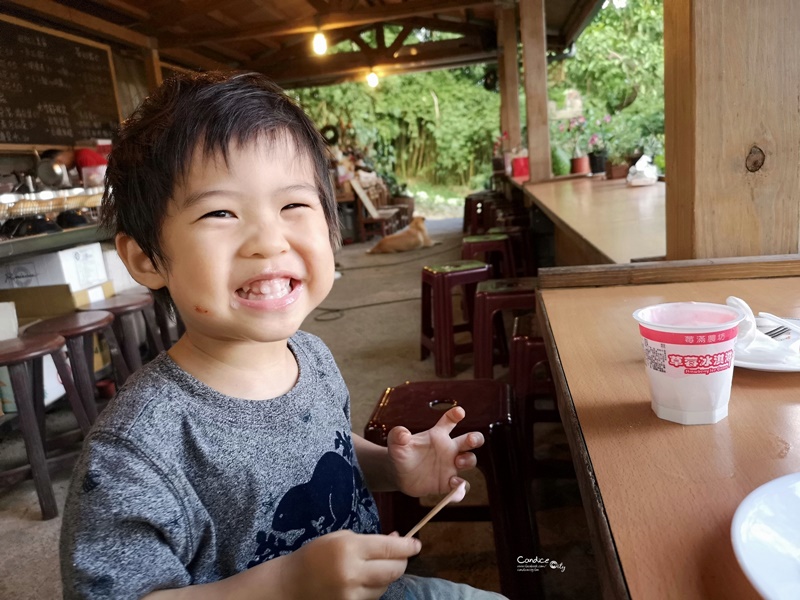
{"x": 267, "y": 289}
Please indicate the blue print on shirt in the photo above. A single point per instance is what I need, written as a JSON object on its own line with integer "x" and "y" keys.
{"x": 334, "y": 498}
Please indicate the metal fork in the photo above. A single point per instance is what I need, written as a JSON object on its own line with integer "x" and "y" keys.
{"x": 777, "y": 332}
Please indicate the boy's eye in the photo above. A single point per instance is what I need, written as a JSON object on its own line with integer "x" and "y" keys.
{"x": 218, "y": 214}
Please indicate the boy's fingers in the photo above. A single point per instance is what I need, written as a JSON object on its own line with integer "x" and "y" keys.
{"x": 399, "y": 436}
{"x": 454, "y": 483}
{"x": 390, "y": 547}
{"x": 451, "y": 418}
{"x": 469, "y": 441}
{"x": 466, "y": 460}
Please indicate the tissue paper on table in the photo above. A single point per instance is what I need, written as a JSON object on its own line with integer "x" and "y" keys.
{"x": 643, "y": 172}
{"x": 754, "y": 346}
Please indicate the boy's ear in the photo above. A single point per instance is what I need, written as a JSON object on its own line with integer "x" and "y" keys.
{"x": 139, "y": 265}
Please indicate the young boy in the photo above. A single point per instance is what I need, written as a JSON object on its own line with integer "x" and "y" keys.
{"x": 225, "y": 468}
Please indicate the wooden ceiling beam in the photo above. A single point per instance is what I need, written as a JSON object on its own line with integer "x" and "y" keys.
{"x": 86, "y": 22}
{"x": 398, "y": 41}
{"x": 397, "y": 67}
{"x": 448, "y": 26}
{"x": 125, "y": 8}
{"x": 347, "y": 61}
{"x": 326, "y": 22}
{"x": 175, "y": 12}
{"x": 583, "y": 12}
{"x": 194, "y": 59}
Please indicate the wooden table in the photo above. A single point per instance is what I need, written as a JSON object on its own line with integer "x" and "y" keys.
{"x": 660, "y": 496}
{"x": 601, "y": 221}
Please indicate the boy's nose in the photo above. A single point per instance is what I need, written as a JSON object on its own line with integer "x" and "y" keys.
{"x": 265, "y": 240}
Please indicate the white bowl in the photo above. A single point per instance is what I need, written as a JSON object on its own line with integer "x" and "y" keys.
{"x": 766, "y": 538}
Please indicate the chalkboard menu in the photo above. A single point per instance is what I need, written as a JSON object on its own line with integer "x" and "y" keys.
{"x": 53, "y": 88}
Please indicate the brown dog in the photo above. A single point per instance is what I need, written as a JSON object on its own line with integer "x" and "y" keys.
{"x": 412, "y": 237}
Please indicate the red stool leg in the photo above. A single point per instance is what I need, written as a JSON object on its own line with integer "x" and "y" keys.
{"x": 443, "y": 329}
{"x": 426, "y": 332}
{"x": 482, "y": 338}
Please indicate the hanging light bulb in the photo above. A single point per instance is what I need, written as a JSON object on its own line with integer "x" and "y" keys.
{"x": 372, "y": 79}
{"x": 320, "y": 44}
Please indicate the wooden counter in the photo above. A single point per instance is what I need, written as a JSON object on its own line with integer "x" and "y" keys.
{"x": 601, "y": 221}
{"x": 660, "y": 496}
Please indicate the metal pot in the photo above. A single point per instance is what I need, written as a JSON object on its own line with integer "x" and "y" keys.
{"x": 52, "y": 173}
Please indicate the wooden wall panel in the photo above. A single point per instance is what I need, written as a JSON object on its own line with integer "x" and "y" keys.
{"x": 732, "y": 94}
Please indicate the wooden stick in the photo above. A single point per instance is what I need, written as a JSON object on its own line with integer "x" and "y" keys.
{"x": 442, "y": 503}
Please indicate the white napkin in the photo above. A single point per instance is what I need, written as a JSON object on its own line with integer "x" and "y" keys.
{"x": 754, "y": 346}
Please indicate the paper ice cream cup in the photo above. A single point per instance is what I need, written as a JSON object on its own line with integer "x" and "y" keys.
{"x": 688, "y": 353}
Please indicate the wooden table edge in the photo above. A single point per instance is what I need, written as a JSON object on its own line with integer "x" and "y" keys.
{"x": 612, "y": 579}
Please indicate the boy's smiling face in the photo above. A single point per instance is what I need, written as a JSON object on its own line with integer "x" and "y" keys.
{"x": 247, "y": 242}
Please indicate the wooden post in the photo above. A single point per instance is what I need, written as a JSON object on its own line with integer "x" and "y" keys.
{"x": 534, "y": 58}
{"x": 509, "y": 89}
{"x": 501, "y": 82}
{"x": 152, "y": 67}
{"x": 732, "y": 95}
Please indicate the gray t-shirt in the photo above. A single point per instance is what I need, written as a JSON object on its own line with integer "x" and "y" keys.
{"x": 179, "y": 485}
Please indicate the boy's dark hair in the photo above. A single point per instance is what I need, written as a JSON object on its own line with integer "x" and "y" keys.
{"x": 154, "y": 149}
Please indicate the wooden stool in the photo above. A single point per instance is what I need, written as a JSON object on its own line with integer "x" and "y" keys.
{"x": 78, "y": 330}
{"x": 488, "y": 405}
{"x": 535, "y": 393}
{"x": 14, "y": 354}
{"x": 438, "y": 330}
{"x": 491, "y": 297}
{"x": 523, "y": 249}
{"x": 123, "y": 307}
{"x": 477, "y": 212}
{"x": 495, "y": 248}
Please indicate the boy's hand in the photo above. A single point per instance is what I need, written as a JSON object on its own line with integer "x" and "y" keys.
{"x": 428, "y": 462}
{"x": 347, "y": 566}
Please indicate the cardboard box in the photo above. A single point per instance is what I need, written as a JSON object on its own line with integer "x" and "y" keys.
{"x": 80, "y": 268}
{"x": 53, "y": 300}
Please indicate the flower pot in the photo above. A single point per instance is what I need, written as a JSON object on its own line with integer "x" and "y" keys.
{"x": 616, "y": 171}
{"x": 580, "y": 165}
{"x": 597, "y": 162}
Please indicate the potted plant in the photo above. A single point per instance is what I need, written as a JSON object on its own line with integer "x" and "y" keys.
{"x": 598, "y": 144}
{"x": 577, "y": 134}
{"x": 622, "y": 151}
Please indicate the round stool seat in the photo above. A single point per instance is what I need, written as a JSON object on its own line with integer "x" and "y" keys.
{"x": 20, "y": 349}
{"x": 121, "y": 304}
{"x": 74, "y": 324}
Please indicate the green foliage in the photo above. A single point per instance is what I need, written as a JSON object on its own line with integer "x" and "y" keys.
{"x": 560, "y": 160}
{"x": 618, "y": 69}
{"x": 438, "y": 126}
